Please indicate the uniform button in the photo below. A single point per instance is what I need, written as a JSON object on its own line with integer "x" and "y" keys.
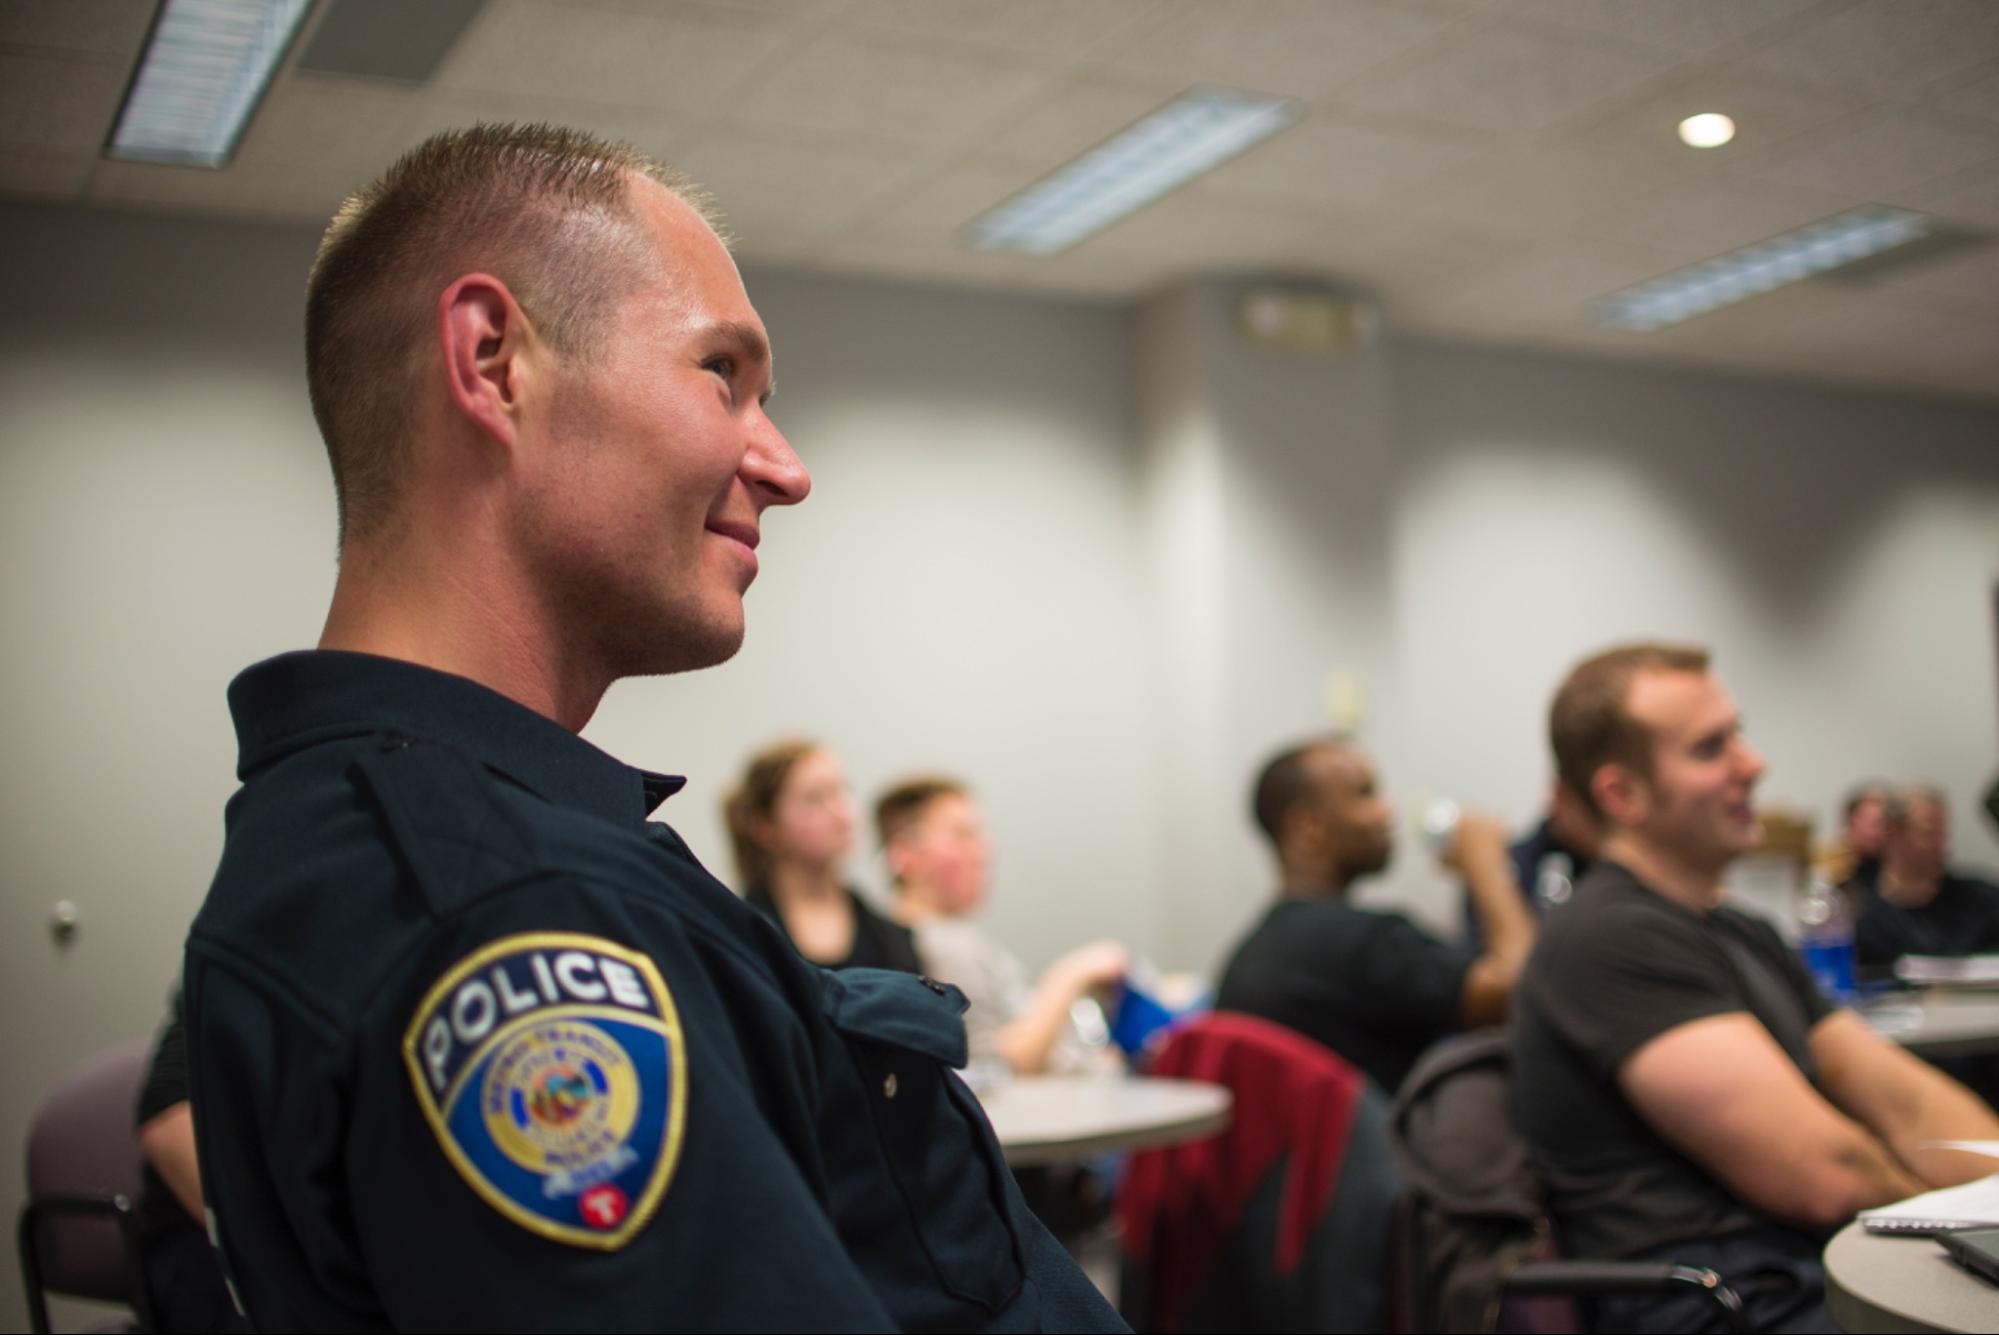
{"x": 888, "y": 1086}
{"x": 934, "y": 986}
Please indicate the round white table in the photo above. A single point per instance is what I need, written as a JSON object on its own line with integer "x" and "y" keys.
{"x": 1063, "y": 1118}
{"x": 1939, "y": 1022}
{"x": 1893, "y": 1282}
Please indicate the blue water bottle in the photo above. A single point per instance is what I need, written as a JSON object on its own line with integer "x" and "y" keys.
{"x": 1825, "y": 921}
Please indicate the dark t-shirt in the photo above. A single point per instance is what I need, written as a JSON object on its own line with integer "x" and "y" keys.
{"x": 879, "y": 943}
{"x": 1618, "y": 967}
{"x": 1962, "y": 919}
{"x": 1374, "y": 987}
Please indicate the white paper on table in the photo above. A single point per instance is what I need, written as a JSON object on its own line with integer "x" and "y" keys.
{"x": 1988, "y": 1148}
{"x": 1972, "y": 1205}
{"x": 1944, "y": 970}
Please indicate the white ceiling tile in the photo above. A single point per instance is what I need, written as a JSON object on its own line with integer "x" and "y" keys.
{"x": 1965, "y": 279}
{"x": 666, "y": 58}
{"x": 1324, "y": 162}
{"x": 33, "y": 174}
{"x": 767, "y": 186}
{"x": 1887, "y": 47}
{"x": 1977, "y": 96}
{"x": 1972, "y": 198}
{"x": 57, "y": 101}
{"x": 932, "y": 208}
{"x": 1065, "y": 119}
{"x": 1192, "y": 230}
{"x": 110, "y": 28}
{"x": 1540, "y": 192}
{"x": 354, "y": 134}
{"x": 1766, "y": 111}
{"x": 1555, "y": 282}
{"x": 1301, "y": 48}
{"x": 1696, "y": 220}
{"x": 1879, "y": 157}
{"x": 1693, "y": 27}
{"x": 841, "y": 86}
{"x": 662, "y": 134}
{"x": 1012, "y": 273}
{"x": 1057, "y": 30}
{"x": 797, "y": 13}
{"x": 1392, "y": 253}
{"x": 1503, "y": 82}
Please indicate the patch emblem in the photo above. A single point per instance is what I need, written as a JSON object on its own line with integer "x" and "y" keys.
{"x": 553, "y": 1069}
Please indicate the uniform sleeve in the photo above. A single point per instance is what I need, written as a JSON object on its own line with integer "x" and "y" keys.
{"x": 546, "y": 1121}
{"x": 1634, "y": 976}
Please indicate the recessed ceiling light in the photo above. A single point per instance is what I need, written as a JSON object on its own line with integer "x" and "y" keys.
{"x": 1710, "y": 129}
{"x": 1840, "y": 240}
{"x": 1193, "y": 133}
{"x": 205, "y": 68}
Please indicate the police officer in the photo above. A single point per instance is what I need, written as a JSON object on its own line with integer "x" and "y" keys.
{"x": 475, "y": 1045}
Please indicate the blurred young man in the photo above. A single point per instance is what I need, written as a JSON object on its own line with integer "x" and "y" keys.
{"x": 1371, "y": 985}
{"x": 940, "y": 860}
{"x": 1685, "y": 1090}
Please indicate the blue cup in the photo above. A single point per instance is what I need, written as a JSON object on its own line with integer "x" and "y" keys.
{"x": 1138, "y": 1020}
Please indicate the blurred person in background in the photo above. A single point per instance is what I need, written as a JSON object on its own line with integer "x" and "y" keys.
{"x": 1549, "y": 859}
{"x": 1371, "y": 985}
{"x": 1856, "y": 855}
{"x": 940, "y": 860}
{"x": 1916, "y": 904}
{"x": 791, "y": 823}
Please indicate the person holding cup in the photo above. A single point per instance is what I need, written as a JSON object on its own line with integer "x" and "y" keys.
{"x": 1371, "y": 985}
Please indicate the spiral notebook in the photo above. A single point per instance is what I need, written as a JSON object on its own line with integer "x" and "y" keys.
{"x": 1972, "y": 1205}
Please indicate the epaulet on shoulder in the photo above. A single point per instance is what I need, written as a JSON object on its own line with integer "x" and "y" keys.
{"x": 445, "y": 815}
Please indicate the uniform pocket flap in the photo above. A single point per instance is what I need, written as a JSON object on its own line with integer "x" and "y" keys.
{"x": 899, "y": 1009}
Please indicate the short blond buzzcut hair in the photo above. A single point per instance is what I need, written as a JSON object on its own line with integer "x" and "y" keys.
{"x": 546, "y": 210}
{"x": 1590, "y": 725}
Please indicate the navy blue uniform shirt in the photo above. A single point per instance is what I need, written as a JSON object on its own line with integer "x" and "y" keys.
{"x": 475, "y": 1046}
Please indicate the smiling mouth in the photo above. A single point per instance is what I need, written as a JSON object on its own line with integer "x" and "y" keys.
{"x": 743, "y": 533}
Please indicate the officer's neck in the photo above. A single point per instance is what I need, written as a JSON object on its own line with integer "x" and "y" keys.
{"x": 388, "y": 608}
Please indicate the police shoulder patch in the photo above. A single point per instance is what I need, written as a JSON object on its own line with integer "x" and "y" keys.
{"x": 553, "y": 1070}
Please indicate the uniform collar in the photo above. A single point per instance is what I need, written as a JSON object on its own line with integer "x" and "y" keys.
{"x": 299, "y": 699}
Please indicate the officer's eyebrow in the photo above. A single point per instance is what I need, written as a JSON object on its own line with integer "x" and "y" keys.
{"x": 751, "y": 346}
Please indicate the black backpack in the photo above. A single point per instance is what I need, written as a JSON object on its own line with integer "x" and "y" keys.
{"x": 1473, "y": 1210}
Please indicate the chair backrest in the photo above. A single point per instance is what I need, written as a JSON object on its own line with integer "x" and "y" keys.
{"x": 1474, "y": 1209}
{"x": 83, "y": 1161}
{"x": 1281, "y": 1222}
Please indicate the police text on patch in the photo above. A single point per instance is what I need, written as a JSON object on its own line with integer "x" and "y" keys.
{"x": 516, "y": 985}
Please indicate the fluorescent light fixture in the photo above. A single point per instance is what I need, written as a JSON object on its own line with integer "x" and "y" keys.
{"x": 1194, "y": 133}
{"x": 1836, "y": 241}
{"x": 205, "y": 68}
{"x": 1710, "y": 129}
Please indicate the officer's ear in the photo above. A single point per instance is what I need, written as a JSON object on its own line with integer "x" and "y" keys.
{"x": 483, "y": 333}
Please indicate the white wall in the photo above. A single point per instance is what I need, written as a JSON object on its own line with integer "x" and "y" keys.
{"x": 1838, "y": 552}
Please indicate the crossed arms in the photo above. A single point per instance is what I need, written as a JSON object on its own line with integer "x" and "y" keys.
{"x": 1721, "y": 1091}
